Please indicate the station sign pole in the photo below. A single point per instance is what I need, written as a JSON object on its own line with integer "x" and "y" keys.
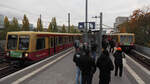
{"x": 100, "y": 33}
{"x": 86, "y": 21}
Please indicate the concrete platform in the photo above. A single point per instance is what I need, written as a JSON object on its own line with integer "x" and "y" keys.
{"x": 61, "y": 70}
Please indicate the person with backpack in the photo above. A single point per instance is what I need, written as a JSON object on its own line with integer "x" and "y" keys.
{"x": 118, "y": 61}
{"x": 87, "y": 65}
{"x": 105, "y": 66}
{"x": 76, "y": 60}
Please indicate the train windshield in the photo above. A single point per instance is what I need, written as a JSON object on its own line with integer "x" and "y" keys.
{"x": 126, "y": 39}
{"x": 23, "y": 42}
{"x": 12, "y": 42}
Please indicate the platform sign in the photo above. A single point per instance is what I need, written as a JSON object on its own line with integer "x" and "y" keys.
{"x": 91, "y": 25}
{"x": 81, "y": 25}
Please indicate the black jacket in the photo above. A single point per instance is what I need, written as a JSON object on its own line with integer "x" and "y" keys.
{"x": 87, "y": 63}
{"x": 118, "y": 55}
{"x": 93, "y": 47}
{"x": 76, "y": 58}
{"x": 112, "y": 43}
{"x": 105, "y": 66}
{"x": 104, "y": 44}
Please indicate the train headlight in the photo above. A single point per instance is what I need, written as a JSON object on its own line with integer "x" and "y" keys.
{"x": 26, "y": 54}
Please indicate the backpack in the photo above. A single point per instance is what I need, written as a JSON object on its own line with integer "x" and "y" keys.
{"x": 118, "y": 57}
{"x": 76, "y": 58}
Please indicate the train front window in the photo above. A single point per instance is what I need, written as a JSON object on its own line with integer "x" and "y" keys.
{"x": 23, "y": 42}
{"x": 12, "y": 42}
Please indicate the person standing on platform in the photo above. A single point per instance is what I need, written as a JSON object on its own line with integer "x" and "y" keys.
{"x": 87, "y": 65}
{"x": 104, "y": 43}
{"x": 112, "y": 45}
{"x": 76, "y": 59}
{"x": 105, "y": 65}
{"x": 76, "y": 44}
{"x": 93, "y": 49}
{"x": 118, "y": 61}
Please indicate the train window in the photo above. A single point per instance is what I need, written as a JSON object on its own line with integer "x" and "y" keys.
{"x": 130, "y": 39}
{"x": 67, "y": 39}
{"x": 64, "y": 40}
{"x": 40, "y": 44}
{"x": 23, "y": 42}
{"x": 52, "y": 42}
{"x": 12, "y": 42}
{"x": 72, "y": 39}
{"x": 60, "y": 40}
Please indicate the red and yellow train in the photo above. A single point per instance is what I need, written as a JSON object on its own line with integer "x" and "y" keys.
{"x": 124, "y": 40}
{"x": 33, "y": 46}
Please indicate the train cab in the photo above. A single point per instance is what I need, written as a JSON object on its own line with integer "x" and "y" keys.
{"x": 34, "y": 46}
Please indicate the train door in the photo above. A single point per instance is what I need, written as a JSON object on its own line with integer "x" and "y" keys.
{"x": 55, "y": 44}
{"x": 51, "y": 44}
{"x": 63, "y": 42}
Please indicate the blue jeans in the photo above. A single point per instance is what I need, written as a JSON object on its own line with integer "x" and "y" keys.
{"x": 78, "y": 76}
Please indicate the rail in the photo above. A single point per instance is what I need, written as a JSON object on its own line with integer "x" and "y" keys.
{"x": 140, "y": 58}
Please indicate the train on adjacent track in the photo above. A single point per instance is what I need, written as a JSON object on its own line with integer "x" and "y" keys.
{"x": 26, "y": 46}
{"x": 125, "y": 40}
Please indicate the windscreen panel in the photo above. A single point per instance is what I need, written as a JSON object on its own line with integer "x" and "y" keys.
{"x": 126, "y": 39}
{"x": 12, "y": 42}
{"x": 24, "y": 42}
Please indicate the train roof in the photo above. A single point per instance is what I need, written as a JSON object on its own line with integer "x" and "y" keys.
{"x": 44, "y": 33}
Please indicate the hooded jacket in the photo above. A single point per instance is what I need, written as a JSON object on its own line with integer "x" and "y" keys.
{"x": 105, "y": 66}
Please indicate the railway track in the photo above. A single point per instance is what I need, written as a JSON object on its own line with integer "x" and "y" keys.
{"x": 8, "y": 69}
{"x": 2, "y": 56}
{"x": 140, "y": 58}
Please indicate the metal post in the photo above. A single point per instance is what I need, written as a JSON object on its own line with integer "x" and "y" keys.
{"x": 68, "y": 22}
{"x": 86, "y": 21}
{"x": 40, "y": 22}
{"x": 100, "y": 33}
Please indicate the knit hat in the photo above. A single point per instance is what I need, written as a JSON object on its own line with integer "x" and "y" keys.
{"x": 119, "y": 49}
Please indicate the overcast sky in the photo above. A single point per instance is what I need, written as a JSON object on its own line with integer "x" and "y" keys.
{"x": 60, "y": 9}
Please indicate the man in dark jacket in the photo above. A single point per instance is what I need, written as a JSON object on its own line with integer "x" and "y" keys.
{"x": 76, "y": 59}
{"x": 93, "y": 49}
{"x": 105, "y": 66}
{"x": 118, "y": 55}
{"x": 76, "y": 44}
{"x": 104, "y": 44}
{"x": 87, "y": 65}
{"x": 112, "y": 45}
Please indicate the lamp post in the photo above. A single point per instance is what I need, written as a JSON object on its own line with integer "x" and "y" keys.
{"x": 68, "y": 22}
{"x": 86, "y": 21}
{"x": 100, "y": 33}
